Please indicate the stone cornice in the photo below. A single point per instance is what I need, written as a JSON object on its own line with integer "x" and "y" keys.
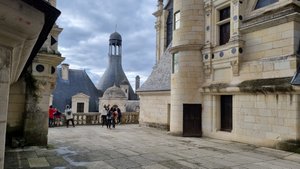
{"x": 186, "y": 47}
{"x": 272, "y": 18}
{"x": 49, "y": 59}
{"x": 157, "y": 92}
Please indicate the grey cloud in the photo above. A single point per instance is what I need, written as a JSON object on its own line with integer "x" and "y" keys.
{"x": 87, "y": 25}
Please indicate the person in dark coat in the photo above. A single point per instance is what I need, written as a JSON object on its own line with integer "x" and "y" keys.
{"x": 119, "y": 115}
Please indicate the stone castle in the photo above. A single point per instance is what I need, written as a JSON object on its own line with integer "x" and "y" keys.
{"x": 224, "y": 69}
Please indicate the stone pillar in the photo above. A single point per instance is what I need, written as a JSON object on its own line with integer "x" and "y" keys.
{"x": 187, "y": 77}
{"x": 5, "y": 65}
{"x": 42, "y": 78}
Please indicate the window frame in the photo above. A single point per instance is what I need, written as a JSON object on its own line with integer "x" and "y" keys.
{"x": 219, "y": 23}
{"x": 79, "y": 108}
{"x": 175, "y": 63}
{"x": 257, "y": 1}
{"x": 177, "y": 16}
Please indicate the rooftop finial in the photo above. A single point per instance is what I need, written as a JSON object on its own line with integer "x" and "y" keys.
{"x": 116, "y": 27}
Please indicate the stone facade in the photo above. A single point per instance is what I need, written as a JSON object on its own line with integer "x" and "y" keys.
{"x": 236, "y": 59}
{"x": 23, "y": 30}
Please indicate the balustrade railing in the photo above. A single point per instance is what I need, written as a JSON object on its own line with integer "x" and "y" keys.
{"x": 95, "y": 119}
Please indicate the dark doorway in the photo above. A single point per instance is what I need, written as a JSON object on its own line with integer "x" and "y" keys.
{"x": 226, "y": 113}
{"x": 192, "y": 126}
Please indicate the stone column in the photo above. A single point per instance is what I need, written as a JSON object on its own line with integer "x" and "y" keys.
{"x": 5, "y": 65}
{"x": 187, "y": 78}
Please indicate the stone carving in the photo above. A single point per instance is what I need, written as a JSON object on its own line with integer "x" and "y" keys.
{"x": 4, "y": 58}
{"x": 235, "y": 67}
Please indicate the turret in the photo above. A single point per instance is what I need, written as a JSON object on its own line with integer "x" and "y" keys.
{"x": 114, "y": 74}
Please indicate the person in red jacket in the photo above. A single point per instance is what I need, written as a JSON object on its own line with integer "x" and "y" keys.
{"x": 52, "y": 110}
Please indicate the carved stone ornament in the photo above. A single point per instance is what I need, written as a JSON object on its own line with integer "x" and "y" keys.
{"x": 4, "y": 58}
{"x": 235, "y": 67}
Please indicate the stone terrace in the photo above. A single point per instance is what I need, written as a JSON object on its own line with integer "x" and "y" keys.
{"x": 131, "y": 146}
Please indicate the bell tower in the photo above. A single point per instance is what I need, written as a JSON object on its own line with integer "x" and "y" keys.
{"x": 114, "y": 74}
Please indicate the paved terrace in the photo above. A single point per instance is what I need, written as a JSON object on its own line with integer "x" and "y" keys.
{"x": 131, "y": 146}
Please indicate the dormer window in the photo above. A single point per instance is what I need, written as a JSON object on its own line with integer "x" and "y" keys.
{"x": 263, "y": 3}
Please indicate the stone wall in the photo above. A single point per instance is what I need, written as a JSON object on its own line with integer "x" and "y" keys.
{"x": 16, "y": 105}
{"x": 155, "y": 109}
{"x": 257, "y": 118}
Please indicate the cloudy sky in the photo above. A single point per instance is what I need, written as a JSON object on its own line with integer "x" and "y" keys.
{"x": 87, "y": 25}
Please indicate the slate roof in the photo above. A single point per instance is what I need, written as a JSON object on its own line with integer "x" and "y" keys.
{"x": 78, "y": 82}
{"x": 160, "y": 78}
{"x": 296, "y": 78}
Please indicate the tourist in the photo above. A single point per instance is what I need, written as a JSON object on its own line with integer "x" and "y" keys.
{"x": 57, "y": 118}
{"x": 51, "y": 112}
{"x": 109, "y": 118}
{"x": 115, "y": 116}
{"x": 69, "y": 116}
{"x": 119, "y": 115}
{"x": 103, "y": 115}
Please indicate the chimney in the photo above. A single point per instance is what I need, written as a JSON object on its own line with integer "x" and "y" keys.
{"x": 65, "y": 71}
{"x": 137, "y": 82}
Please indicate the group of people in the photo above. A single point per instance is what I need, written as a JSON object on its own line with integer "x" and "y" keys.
{"x": 55, "y": 116}
{"x": 111, "y": 116}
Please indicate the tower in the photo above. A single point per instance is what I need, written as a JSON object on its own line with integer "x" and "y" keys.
{"x": 114, "y": 74}
{"x": 187, "y": 66}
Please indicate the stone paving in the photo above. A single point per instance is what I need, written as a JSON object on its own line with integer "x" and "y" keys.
{"x": 131, "y": 146}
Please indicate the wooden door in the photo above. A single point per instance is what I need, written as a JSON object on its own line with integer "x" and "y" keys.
{"x": 192, "y": 126}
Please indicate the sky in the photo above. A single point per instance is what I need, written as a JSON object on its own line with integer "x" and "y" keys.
{"x": 87, "y": 25}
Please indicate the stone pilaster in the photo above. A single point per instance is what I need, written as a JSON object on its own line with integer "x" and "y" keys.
{"x": 235, "y": 19}
{"x": 188, "y": 41}
{"x": 5, "y": 65}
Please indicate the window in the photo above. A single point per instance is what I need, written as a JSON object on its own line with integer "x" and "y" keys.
{"x": 263, "y": 3}
{"x": 80, "y": 107}
{"x": 169, "y": 27}
{"x": 177, "y": 20}
{"x": 175, "y": 63}
{"x": 224, "y": 25}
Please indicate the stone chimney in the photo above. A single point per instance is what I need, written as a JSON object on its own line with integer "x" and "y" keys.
{"x": 65, "y": 71}
{"x": 137, "y": 82}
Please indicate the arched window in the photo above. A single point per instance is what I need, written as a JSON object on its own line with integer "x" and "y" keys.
{"x": 263, "y": 3}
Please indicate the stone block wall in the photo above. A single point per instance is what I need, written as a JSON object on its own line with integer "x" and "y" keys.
{"x": 16, "y": 108}
{"x": 257, "y": 119}
{"x": 154, "y": 109}
{"x": 270, "y": 52}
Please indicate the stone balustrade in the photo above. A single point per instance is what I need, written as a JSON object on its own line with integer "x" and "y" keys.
{"x": 95, "y": 119}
